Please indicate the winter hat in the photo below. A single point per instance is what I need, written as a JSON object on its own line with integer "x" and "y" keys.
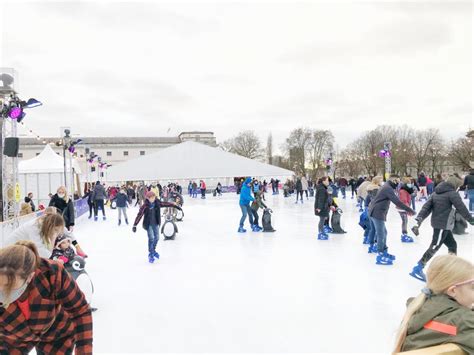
{"x": 150, "y": 194}
{"x": 61, "y": 239}
{"x": 454, "y": 181}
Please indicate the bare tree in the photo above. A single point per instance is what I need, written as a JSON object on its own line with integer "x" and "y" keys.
{"x": 246, "y": 144}
{"x": 270, "y": 149}
{"x": 296, "y": 146}
{"x": 424, "y": 142}
{"x": 320, "y": 144}
{"x": 462, "y": 153}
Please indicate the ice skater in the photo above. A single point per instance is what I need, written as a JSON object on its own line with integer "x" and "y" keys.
{"x": 378, "y": 210}
{"x": 98, "y": 196}
{"x": 256, "y": 205}
{"x": 122, "y": 203}
{"x": 322, "y": 207}
{"x": 244, "y": 203}
{"x": 440, "y": 206}
{"x": 151, "y": 213}
{"x": 405, "y": 192}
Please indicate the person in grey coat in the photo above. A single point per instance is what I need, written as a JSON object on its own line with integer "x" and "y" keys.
{"x": 378, "y": 209}
{"x": 98, "y": 196}
{"x": 440, "y": 206}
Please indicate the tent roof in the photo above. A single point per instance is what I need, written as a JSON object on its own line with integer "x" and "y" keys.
{"x": 191, "y": 160}
{"x": 46, "y": 162}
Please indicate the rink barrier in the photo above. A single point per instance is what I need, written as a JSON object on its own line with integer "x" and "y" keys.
{"x": 80, "y": 207}
{"x": 445, "y": 349}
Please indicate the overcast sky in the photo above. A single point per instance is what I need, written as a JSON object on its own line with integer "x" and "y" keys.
{"x": 130, "y": 69}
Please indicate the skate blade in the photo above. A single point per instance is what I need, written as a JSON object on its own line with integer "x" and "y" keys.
{"x": 416, "y": 276}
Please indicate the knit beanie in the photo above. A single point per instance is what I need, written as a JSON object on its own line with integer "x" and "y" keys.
{"x": 61, "y": 239}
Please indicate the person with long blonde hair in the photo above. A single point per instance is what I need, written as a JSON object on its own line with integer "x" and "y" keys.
{"x": 42, "y": 231}
{"x": 65, "y": 207}
{"x": 442, "y": 312}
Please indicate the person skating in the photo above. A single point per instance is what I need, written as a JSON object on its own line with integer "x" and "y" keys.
{"x": 372, "y": 190}
{"x": 121, "y": 200}
{"x": 299, "y": 190}
{"x": 405, "y": 193}
{"x": 440, "y": 206}
{"x": 343, "y": 185}
{"x": 322, "y": 205}
{"x": 378, "y": 210}
{"x": 469, "y": 186}
{"x": 151, "y": 213}
{"x": 257, "y": 203}
{"x": 352, "y": 184}
{"x": 244, "y": 203}
{"x": 98, "y": 196}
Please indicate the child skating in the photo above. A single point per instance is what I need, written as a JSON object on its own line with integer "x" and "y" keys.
{"x": 151, "y": 213}
{"x": 122, "y": 203}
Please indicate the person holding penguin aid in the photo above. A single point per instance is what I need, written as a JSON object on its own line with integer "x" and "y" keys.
{"x": 151, "y": 213}
{"x": 440, "y": 206}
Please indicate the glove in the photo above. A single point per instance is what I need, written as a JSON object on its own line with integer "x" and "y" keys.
{"x": 416, "y": 230}
{"x": 134, "y": 229}
{"x": 63, "y": 259}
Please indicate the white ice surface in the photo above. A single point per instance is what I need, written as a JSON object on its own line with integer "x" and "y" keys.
{"x": 215, "y": 290}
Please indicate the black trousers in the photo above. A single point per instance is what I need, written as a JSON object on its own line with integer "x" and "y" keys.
{"x": 99, "y": 204}
{"x": 447, "y": 239}
{"x": 91, "y": 208}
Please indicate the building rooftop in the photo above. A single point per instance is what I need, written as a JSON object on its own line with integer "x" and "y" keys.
{"x": 107, "y": 140}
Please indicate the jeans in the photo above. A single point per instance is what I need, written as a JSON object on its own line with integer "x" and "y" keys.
{"x": 91, "y": 208}
{"x": 413, "y": 201}
{"x": 194, "y": 193}
{"x": 153, "y": 237}
{"x": 371, "y": 236}
{"x": 255, "y": 216}
{"x": 470, "y": 194}
{"x": 381, "y": 231}
{"x": 343, "y": 191}
{"x": 99, "y": 204}
{"x": 246, "y": 210}
{"x": 321, "y": 223}
{"x": 299, "y": 193}
{"x": 404, "y": 216}
{"x": 203, "y": 193}
{"x": 447, "y": 239}
{"x": 124, "y": 211}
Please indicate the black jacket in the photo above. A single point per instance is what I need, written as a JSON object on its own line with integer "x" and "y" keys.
{"x": 440, "y": 206}
{"x": 121, "y": 200}
{"x": 146, "y": 212}
{"x": 321, "y": 201}
{"x": 66, "y": 209}
{"x": 380, "y": 204}
{"x": 469, "y": 181}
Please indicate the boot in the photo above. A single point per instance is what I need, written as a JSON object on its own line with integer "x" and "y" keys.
{"x": 126, "y": 221}
{"x": 372, "y": 249}
{"x": 120, "y": 222}
{"x": 322, "y": 236}
{"x": 151, "y": 258}
{"x": 366, "y": 240}
{"x": 96, "y": 218}
{"x": 104, "y": 218}
{"x": 156, "y": 255}
{"x": 406, "y": 239}
{"x": 418, "y": 273}
{"x": 242, "y": 230}
{"x": 390, "y": 256}
{"x": 383, "y": 260}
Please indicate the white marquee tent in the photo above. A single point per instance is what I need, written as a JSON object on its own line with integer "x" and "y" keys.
{"x": 191, "y": 160}
{"x": 44, "y": 174}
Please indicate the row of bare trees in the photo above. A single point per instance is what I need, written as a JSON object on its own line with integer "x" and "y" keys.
{"x": 306, "y": 150}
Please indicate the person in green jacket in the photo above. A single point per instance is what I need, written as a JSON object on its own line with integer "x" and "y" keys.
{"x": 443, "y": 312}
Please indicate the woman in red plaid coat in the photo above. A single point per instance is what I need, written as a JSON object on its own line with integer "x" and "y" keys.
{"x": 40, "y": 306}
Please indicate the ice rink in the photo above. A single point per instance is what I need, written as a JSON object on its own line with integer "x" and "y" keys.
{"x": 215, "y": 290}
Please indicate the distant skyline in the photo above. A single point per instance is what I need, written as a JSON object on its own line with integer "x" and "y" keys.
{"x": 156, "y": 69}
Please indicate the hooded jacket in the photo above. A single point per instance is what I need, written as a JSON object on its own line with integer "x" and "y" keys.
{"x": 441, "y": 309}
{"x": 99, "y": 193}
{"x": 380, "y": 205}
{"x": 321, "y": 201}
{"x": 440, "y": 204}
{"x": 245, "y": 196}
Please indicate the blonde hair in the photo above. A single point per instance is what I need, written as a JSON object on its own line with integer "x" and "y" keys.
{"x": 376, "y": 180}
{"x": 63, "y": 188}
{"x": 25, "y": 209}
{"x": 444, "y": 272}
{"x": 406, "y": 180}
{"x": 47, "y": 224}
{"x": 18, "y": 260}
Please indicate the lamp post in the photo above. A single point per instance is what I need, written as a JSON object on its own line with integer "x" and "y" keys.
{"x": 66, "y": 142}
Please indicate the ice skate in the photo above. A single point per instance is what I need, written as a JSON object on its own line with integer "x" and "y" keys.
{"x": 418, "y": 273}
{"x": 322, "y": 236}
{"x": 151, "y": 258}
{"x": 383, "y": 260}
{"x": 156, "y": 255}
{"x": 406, "y": 239}
{"x": 242, "y": 230}
{"x": 372, "y": 249}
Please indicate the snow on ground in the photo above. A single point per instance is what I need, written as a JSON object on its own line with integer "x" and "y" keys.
{"x": 215, "y": 290}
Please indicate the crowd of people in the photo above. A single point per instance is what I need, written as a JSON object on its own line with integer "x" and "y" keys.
{"x": 33, "y": 263}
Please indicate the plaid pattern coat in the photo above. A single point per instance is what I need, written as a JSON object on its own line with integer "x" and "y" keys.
{"x": 59, "y": 316}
